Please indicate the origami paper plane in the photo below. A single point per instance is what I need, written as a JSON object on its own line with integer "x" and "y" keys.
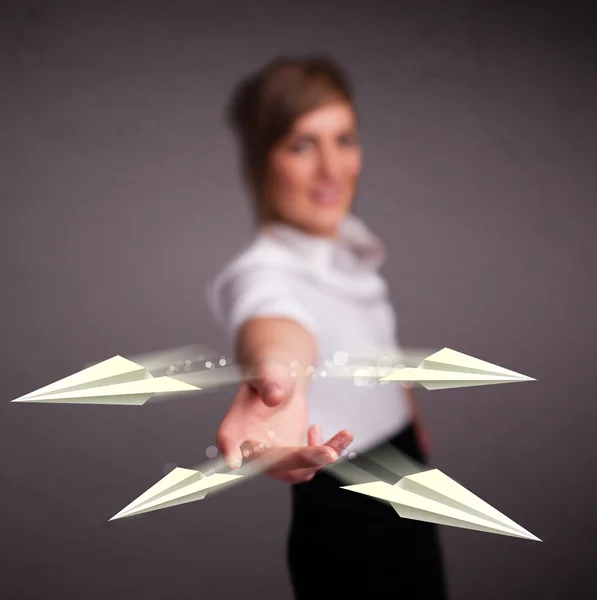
{"x": 433, "y": 497}
{"x": 188, "y": 485}
{"x": 113, "y": 381}
{"x": 178, "y": 487}
{"x": 450, "y": 369}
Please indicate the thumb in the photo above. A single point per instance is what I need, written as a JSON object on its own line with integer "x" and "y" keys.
{"x": 273, "y": 382}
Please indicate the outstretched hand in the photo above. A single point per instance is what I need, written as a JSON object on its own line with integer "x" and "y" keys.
{"x": 268, "y": 419}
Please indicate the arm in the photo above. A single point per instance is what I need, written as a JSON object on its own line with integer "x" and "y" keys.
{"x": 267, "y": 347}
{"x": 272, "y": 331}
{"x": 269, "y": 327}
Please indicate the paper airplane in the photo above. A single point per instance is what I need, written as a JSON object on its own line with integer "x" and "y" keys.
{"x": 450, "y": 369}
{"x": 178, "y": 487}
{"x": 113, "y": 381}
{"x": 188, "y": 485}
{"x": 433, "y": 497}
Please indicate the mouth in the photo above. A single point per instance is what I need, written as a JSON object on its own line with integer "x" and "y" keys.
{"x": 327, "y": 196}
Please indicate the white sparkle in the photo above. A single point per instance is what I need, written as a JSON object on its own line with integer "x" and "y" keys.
{"x": 341, "y": 358}
{"x": 211, "y": 452}
{"x": 361, "y": 377}
{"x": 384, "y": 366}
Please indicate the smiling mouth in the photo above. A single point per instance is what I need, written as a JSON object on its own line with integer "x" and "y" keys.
{"x": 327, "y": 197}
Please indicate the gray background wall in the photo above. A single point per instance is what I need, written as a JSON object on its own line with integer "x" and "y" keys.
{"x": 119, "y": 199}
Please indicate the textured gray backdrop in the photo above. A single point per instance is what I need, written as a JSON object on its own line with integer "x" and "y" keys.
{"x": 120, "y": 199}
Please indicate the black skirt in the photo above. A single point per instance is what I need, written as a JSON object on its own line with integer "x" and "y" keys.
{"x": 343, "y": 544}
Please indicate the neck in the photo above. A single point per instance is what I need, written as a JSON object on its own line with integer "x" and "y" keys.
{"x": 331, "y": 234}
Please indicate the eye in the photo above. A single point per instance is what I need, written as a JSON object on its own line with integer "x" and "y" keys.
{"x": 300, "y": 145}
{"x": 348, "y": 139}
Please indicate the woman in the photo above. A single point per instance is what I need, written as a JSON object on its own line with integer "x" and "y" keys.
{"x": 305, "y": 291}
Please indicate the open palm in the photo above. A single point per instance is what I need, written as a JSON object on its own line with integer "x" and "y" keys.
{"x": 257, "y": 426}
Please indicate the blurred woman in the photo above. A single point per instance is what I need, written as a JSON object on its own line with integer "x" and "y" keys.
{"x": 308, "y": 290}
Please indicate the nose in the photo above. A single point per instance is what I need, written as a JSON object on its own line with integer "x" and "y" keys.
{"x": 330, "y": 162}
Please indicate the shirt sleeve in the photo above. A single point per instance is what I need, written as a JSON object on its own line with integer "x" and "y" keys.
{"x": 237, "y": 296}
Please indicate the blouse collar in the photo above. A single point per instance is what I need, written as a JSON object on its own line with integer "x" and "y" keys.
{"x": 354, "y": 239}
{"x": 350, "y": 261}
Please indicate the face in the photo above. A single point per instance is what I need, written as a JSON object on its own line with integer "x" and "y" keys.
{"x": 313, "y": 172}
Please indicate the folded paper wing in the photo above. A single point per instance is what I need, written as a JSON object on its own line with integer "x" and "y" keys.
{"x": 433, "y": 497}
{"x": 161, "y": 360}
{"x": 451, "y": 360}
{"x": 180, "y": 486}
{"x": 113, "y": 381}
{"x": 450, "y": 369}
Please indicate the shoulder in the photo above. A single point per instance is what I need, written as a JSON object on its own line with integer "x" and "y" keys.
{"x": 262, "y": 261}
{"x": 256, "y": 281}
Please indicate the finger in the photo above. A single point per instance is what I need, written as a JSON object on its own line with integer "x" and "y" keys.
{"x": 314, "y": 436}
{"x": 340, "y": 441}
{"x": 227, "y": 438}
{"x": 273, "y": 382}
{"x": 229, "y": 448}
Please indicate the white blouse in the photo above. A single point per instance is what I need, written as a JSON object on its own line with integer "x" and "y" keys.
{"x": 334, "y": 289}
